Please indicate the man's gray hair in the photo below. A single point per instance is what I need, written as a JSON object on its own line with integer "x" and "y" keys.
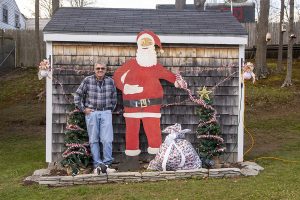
{"x": 100, "y": 63}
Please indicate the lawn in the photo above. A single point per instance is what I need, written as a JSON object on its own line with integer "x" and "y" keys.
{"x": 272, "y": 117}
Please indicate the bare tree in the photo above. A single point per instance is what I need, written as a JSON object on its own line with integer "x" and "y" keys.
{"x": 46, "y": 8}
{"x": 297, "y": 7}
{"x": 180, "y": 4}
{"x": 55, "y": 6}
{"x": 291, "y": 34}
{"x": 199, "y": 4}
{"x": 261, "y": 43}
{"x": 257, "y": 7}
{"x": 37, "y": 30}
{"x": 280, "y": 31}
{"x": 81, "y": 3}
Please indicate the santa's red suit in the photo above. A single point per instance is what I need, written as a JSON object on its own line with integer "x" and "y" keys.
{"x": 142, "y": 99}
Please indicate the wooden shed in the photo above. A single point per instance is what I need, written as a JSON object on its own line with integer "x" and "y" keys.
{"x": 206, "y": 47}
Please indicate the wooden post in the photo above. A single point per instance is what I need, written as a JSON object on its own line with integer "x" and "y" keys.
{"x": 199, "y": 4}
{"x": 180, "y": 4}
{"x": 2, "y": 41}
{"x": 55, "y": 6}
{"x": 37, "y": 31}
{"x": 17, "y": 48}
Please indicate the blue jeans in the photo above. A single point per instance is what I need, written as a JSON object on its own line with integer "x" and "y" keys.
{"x": 100, "y": 129}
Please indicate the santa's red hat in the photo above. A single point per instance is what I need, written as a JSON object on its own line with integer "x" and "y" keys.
{"x": 153, "y": 35}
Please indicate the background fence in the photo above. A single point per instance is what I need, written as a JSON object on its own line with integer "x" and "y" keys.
{"x": 25, "y": 47}
{"x": 7, "y": 52}
{"x": 273, "y": 29}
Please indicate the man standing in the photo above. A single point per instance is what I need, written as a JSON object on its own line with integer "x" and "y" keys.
{"x": 97, "y": 98}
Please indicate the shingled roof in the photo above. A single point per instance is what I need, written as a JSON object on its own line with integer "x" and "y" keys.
{"x": 128, "y": 21}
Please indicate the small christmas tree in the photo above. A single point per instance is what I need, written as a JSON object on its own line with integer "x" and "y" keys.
{"x": 208, "y": 131}
{"x": 77, "y": 155}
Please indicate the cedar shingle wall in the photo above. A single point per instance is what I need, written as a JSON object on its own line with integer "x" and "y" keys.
{"x": 190, "y": 61}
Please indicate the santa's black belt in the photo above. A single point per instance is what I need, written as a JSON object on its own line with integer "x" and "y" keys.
{"x": 142, "y": 102}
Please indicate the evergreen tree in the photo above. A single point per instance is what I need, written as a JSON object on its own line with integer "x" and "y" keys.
{"x": 208, "y": 131}
{"x": 77, "y": 155}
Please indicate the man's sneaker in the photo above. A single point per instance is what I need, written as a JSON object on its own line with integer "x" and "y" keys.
{"x": 96, "y": 171}
{"x": 110, "y": 170}
{"x": 100, "y": 169}
{"x": 103, "y": 169}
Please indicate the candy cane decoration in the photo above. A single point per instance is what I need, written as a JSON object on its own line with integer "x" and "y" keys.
{"x": 73, "y": 127}
{"x": 71, "y": 146}
{"x": 183, "y": 85}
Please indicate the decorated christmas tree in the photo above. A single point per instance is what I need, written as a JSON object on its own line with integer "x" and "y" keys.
{"x": 77, "y": 153}
{"x": 208, "y": 132}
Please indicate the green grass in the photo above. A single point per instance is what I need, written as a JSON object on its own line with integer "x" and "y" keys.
{"x": 20, "y": 86}
{"x": 268, "y": 91}
{"x": 274, "y": 124}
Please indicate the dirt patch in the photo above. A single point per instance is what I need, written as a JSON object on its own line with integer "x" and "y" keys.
{"x": 56, "y": 172}
{"x": 270, "y": 125}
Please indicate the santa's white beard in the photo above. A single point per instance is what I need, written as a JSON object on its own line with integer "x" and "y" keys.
{"x": 146, "y": 57}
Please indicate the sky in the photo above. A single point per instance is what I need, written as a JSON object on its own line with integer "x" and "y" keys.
{"x": 27, "y": 6}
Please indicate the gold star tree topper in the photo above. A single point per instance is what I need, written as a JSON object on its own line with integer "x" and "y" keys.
{"x": 204, "y": 93}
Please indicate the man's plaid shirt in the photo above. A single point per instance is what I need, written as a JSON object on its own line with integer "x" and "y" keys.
{"x": 96, "y": 94}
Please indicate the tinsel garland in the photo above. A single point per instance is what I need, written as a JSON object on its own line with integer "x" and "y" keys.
{"x": 73, "y": 127}
{"x": 71, "y": 146}
{"x": 183, "y": 85}
{"x": 215, "y": 137}
{"x": 218, "y": 150}
{"x": 74, "y": 111}
{"x": 200, "y": 69}
{"x": 178, "y": 78}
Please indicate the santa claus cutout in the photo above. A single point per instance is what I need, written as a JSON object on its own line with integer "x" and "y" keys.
{"x": 138, "y": 79}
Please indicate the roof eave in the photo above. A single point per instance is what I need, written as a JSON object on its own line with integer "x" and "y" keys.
{"x": 228, "y": 39}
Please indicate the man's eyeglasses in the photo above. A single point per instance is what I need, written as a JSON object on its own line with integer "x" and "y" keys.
{"x": 100, "y": 68}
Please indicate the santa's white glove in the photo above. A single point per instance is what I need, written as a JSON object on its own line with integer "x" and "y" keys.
{"x": 176, "y": 84}
{"x": 132, "y": 89}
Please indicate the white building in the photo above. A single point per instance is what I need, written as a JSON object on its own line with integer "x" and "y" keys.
{"x": 10, "y": 15}
{"x": 30, "y": 23}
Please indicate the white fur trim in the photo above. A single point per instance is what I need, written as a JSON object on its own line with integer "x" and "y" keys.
{"x": 142, "y": 115}
{"x": 132, "y": 152}
{"x": 124, "y": 76}
{"x": 132, "y": 89}
{"x": 146, "y": 57}
{"x": 153, "y": 150}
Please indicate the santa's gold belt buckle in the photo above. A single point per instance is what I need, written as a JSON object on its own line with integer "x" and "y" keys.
{"x": 143, "y": 103}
